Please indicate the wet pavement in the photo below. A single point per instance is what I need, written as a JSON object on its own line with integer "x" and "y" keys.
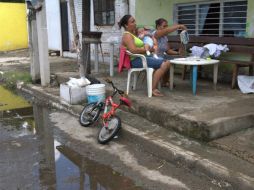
{"x": 168, "y": 169}
{"x": 43, "y": 148}
{"x": 32, "y": 158}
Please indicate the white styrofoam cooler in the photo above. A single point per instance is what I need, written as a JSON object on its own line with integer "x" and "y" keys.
{"x": 72, "y": 95}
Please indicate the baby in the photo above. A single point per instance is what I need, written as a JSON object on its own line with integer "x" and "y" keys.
{"x": 149, "y": 41}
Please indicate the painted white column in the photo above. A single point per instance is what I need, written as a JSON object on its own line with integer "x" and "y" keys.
{"x": 33, "y": 47}
{"x": 43, "y": 45}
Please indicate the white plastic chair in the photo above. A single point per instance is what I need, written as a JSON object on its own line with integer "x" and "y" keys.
{"x": 149, "y": 74}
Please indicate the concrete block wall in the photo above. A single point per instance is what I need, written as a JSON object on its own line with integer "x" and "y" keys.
{"x": 110, "y": 33}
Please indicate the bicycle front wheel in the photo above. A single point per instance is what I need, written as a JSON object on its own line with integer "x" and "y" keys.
{"x": 108, "y": 132}
{"x": 89, "y": 114}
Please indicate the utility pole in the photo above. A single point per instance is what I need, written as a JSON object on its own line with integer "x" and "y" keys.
{"x": 76, "y": 39}
{"x": 38, "y": 41}
{"x": 43, "y": 43}
{"x": 33, "y": 45}
{"x": 84, "y": 52}
{"x": 86, "y": 11}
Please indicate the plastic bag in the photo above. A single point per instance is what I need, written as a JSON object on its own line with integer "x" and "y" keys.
{"x": 246, "y": 83}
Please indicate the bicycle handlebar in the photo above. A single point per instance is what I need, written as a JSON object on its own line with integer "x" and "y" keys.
{"x": 114, "y": 87}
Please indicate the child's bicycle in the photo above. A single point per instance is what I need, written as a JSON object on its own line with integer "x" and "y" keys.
{"x": 111, "y": 122}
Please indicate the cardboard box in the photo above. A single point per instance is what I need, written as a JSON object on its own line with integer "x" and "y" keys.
{"x": 72, "y": 95}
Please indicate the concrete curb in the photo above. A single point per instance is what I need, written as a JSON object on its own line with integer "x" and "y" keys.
{"x": 183, "y": 120}
{"x": 162, "y": 149}
{"x": 188, "y": 159}
{"x": 201, "y": 130}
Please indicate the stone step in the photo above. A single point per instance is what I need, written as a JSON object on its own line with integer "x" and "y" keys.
{"x": 188, "y": 153}
{"x": 204, "y": 123}
{"x": 240, "y": 144}
{"x": 170, "y": 146}
{"x": 208, "y": 116}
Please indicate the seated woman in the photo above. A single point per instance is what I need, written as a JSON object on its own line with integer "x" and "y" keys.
{"x": 161, "y": 33}
{"x": 136, "y": 45}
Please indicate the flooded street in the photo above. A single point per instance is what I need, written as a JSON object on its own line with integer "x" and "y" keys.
{"x": 46, "y": 148}
{"x": 32, "y": 157}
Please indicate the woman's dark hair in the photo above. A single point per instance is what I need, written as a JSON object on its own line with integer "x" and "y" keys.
{"x": 159, "y": 22}
{"x": 124, "y": 21}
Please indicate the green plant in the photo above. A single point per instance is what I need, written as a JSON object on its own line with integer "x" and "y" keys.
{"x": 10, "y": 79}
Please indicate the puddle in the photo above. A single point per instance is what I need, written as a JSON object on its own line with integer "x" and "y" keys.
{"x": 9, "y": 101}
{"x": 27, "y": 134}
{"x": 17, "y": 122}
{"x": 76, "y": 172}
{"x": 72, "y": 170}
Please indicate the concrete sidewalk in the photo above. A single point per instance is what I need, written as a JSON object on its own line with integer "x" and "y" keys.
{"x": 223, "y": 118}
{"x": 221, "y": 167}
{"x": 210, "y": 116}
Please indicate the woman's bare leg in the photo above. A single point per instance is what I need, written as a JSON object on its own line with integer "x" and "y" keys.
{"x": 158, "y": 74}
{"x": 165, "y": 79}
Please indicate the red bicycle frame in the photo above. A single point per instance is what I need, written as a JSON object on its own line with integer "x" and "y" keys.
{"x": 107, "y": 114}
{"x": 114, "y": 106}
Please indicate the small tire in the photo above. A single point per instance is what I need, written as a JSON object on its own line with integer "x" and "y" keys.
{"x": 108, "y": 133}
{"x": 89, "y": 114}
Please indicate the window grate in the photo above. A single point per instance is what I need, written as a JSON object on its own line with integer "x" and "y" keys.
{"x": 104, "y": 12}
{"x": 216, "y": 18}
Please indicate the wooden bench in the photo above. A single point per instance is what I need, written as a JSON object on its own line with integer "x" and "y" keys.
{"x": 236, "y": 45}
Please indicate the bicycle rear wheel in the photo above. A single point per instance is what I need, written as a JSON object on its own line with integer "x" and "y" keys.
{"x": 89, "y": 114}
{"x": 108, "y": 132}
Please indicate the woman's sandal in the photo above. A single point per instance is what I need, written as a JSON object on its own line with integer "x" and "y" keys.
{"x": 157, "y": 93}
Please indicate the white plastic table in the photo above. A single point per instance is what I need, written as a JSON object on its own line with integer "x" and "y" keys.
{"x": 194, "y": 62}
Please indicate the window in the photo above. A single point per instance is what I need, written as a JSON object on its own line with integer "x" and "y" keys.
{"x": 217, "y": 18}
{"x": 104, "y": 12}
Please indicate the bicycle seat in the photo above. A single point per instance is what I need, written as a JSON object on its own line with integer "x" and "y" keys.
{"x": 125, "y": 101}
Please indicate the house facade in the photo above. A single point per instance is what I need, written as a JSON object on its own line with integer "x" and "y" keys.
{"x": 214, "y": 18}
{"x": 211, "y": 18}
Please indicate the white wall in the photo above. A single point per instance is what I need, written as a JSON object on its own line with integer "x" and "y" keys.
{"x": 110, "y": 33}
{"x": 54, "y": 25}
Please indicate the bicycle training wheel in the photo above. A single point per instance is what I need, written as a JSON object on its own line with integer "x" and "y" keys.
{"x": 89, "y": 114}
{"x": 107, "y": 133}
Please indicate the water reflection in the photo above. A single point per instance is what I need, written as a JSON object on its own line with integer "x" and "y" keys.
{"x": 45, "y": 163}
{"x": 19, "y": 121}
{"x": 46, "y": 147}
{"x": 60, "y": 167}
{"x": 94, "y": 176}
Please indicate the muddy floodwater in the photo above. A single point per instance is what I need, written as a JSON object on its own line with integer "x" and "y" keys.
{"x": 32, "y": 157}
